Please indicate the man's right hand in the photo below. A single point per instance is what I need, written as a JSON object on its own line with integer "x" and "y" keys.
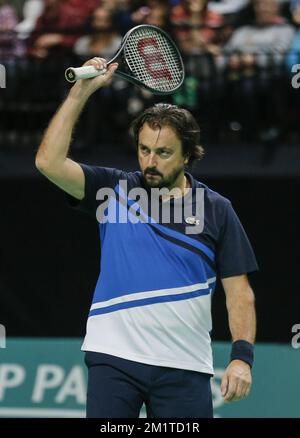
{"x": 89, "y": 86}
{"x": 52, "y": 156}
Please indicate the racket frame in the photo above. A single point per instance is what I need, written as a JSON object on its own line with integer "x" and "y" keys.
{"x": 127, "y": 72}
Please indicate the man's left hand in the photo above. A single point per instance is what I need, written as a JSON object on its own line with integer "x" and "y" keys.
{"x": 237, "y": 380}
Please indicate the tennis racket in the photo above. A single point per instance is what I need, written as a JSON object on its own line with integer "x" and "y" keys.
{"x": 147, "y": 57}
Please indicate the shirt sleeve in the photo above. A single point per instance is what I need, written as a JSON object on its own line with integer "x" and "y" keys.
{"x": 95, "y": 179}
{"x": 234, "y": 255}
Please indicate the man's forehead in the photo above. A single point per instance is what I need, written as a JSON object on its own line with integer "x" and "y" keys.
{"x": 164, "y": 136}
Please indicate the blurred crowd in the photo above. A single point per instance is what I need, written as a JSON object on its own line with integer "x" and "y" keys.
{"x": 238, "y": 56}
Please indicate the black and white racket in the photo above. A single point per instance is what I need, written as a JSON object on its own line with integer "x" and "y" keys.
{"x": 147, "y": 57}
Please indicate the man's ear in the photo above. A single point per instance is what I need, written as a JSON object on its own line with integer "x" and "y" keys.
{"x": 186, "y": 159}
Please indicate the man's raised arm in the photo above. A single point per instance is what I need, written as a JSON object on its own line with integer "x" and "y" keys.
{"x": 52, "y": 156}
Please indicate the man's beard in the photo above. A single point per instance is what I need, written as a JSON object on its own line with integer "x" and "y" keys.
{"x": 159, "y": 181}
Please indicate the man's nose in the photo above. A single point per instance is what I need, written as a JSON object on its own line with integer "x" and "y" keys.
{"x": 152, "y": 160}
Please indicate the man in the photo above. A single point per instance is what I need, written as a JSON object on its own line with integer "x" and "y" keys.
{"x": 148, "y": 329}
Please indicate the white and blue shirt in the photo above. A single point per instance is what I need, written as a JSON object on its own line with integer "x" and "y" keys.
{"x": 152, "y": 301}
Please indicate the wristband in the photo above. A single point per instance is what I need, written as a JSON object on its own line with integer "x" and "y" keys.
{"x": 242, "y": 350}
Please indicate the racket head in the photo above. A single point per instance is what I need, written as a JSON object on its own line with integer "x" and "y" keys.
{"x": 149, "y": 58}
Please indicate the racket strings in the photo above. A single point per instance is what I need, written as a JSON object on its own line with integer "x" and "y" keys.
{"x": 153, "y": 60}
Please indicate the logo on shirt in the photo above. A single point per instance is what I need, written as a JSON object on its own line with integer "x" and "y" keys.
{"x": 192, "y": 220}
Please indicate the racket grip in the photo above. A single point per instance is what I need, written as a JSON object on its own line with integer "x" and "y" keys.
{"x": 73, "y": 74}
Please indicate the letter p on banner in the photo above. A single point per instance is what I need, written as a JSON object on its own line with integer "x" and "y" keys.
{"x": 2, "y": 336}
{"x": 2, "y": 76}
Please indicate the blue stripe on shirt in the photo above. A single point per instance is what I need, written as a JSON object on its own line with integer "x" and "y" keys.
{"x": 147, "y": 301}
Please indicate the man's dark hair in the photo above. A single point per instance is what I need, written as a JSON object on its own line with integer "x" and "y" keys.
{"x": 181, "y": 120}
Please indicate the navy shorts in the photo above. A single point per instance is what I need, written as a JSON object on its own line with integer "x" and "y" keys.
{"x": 117, "y": 388}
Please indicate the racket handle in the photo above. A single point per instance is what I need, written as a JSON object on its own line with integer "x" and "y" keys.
{"x": 73, "y": 74}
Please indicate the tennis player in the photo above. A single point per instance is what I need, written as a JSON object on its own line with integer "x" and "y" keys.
{"x": 148, "y": 330}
